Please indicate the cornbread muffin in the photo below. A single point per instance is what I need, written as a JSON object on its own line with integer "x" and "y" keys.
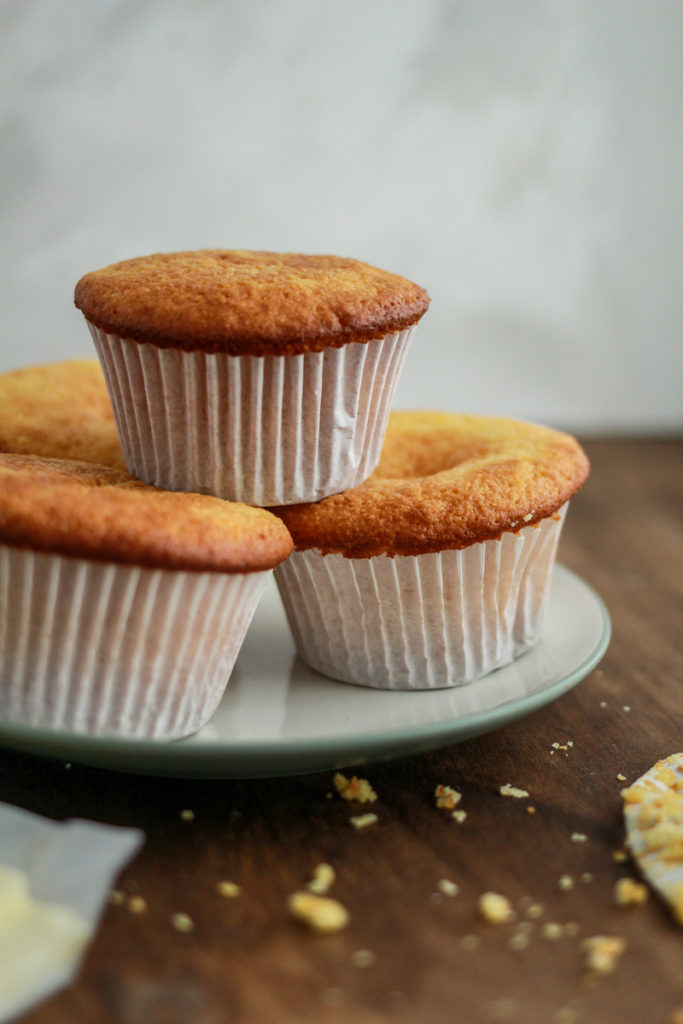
{"x": 436, "y": 570}
{"x": 255, "y": 376}
{"x": 61, "y": 410}
{"x": 123, "y": 607}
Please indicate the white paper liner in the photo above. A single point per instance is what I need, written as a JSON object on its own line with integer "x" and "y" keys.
{"x": 268, "y": 430}
{"x": 120, "y": 649}
{"x": 69, "y": 868}
{"x": 425, "y": 621}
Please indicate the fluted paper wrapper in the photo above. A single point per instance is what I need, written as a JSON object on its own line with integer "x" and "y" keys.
{"x": 425, "y": 621}
{"x": 100, "y": 648}
{"x": 266, "y": 430}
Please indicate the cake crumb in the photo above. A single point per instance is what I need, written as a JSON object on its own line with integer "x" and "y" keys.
{"x": 626, "y": 708}
{"x": 182, "y": 922}
{"x": 552, "y": 931}
{"x": 530, "y": 809}
{"x": 535, "y": 911}
{"x": 566, "y": 882}
{"x": 354, "y": 789}
{"x": 619, "y": 856}
{"x": 446, "y": 797}
{"x": 359, "y": 821}
{"x": 363, "y": 958}
{"x": 579, "y": 837}
{"x": 447, "y": 887}
{"x": 494, "y": 908}
{"x": 603, "y": 703}
{"x": 323, "y": 877}
{"x": 586, "y": 877}
{"x": 602, "y": 952}
{"x": 187, "y": 815}
{"x": 514, "y": 791}
{"x": 629, "y": 893}
{"x": 321, "y": 914}
{"x": 228, "y": 889}
{"x": 137, "y": 904}
{"x": 459, "y": 816}
{"x": 621, "y": 778}
{"x": 117, "y": 898}
{"x": 519, "y": 941}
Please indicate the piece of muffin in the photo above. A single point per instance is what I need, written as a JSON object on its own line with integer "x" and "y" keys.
{"x": 122, "y": 607}
{"x": 60, "y": 410}
{"x": 436, "y": 570}
{"x": 255, "y": 376}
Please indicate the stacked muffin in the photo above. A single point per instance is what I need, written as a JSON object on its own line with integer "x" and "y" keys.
{"x": 246, "y": 380}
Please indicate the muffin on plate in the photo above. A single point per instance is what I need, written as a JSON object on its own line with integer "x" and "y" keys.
{"x": 436, "y": 570}
{"x": 60, "y": 410}
{"x": 255, "y": 376}
{"x": 122, "y": 607}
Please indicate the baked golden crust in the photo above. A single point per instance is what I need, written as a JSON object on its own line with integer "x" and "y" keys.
{"x": 248, "y": 303}
{"x": 445, "y": 481}
{"x": 101, "y": 513}
{"x": 59, "y": 410}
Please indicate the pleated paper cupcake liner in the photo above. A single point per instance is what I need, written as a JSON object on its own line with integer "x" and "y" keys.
{"x": 267, "y": 430}
{"x": 100, "y": 648}
{"x": 425, "y": 621}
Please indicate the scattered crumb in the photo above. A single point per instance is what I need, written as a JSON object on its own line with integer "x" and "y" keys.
{"x": 561, "y": 746}
{"x": 359, "y": 821}
{"x": 323, "y": 877}
{"x": 363, "y": 958}
{"x": 619, "y": 856}
{"x": 629, "y": 893}
{"x": 469, "y": 943}
{"x": 320, "y": 913}
{"x": 566, "y": 882}
{"x": 621, "y": 778}
{"x": 579, "y": 837}
{"x": 354, "y": 789}
{"x": 626, "y": 708}
{"x": 603, "y": 703}
{"x": 182, "y": 922}
{"x": 459, "y": 816}
{"x": 117, "y": 898}
{"x": 586, "y": 877}
{"x": 447, "y": 887}
{"x": 187, "y": 815}
{"x": 333, "y": 997}
{"x": 508, "y": 790}
{"x": 329, "y": 796}
{"x": 519, "y": 941}
{"x": 602, "y": 952}
{"x": 535, "y": 911}
{"x": 446, "y": 797}
{"x": 68, "y": 765}
{"x": 530, "y": 809}
{"x": 528, "y": 517}
{"x": 228, "y": 889}
{"x": 137, "y": 904}
{"x": 494, "y": 908}
{"x": 552, "y": 931}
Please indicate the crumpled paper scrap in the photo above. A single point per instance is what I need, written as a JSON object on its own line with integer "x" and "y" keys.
{"x": 55, "y": 877}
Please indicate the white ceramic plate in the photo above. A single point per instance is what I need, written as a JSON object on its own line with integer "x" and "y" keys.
{"x": 278, "y": 717}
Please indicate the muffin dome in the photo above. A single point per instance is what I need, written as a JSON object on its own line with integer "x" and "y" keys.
{"x": 445, "y": 481}
{"x": 59, "y": 410}
{"x": 240, "y": 302}
{"x": 103, "y": 514}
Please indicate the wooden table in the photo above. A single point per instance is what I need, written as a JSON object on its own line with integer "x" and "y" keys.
{"x": 431, "y": 958}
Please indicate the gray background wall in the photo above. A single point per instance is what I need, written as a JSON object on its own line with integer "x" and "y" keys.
{"x": 521, "y": 159}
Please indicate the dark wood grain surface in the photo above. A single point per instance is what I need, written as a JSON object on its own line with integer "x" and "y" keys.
{"x": 248, "y": 962}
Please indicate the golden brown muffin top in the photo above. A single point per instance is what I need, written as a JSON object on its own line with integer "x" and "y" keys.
{"x": 97, "y": 512}
{"x": 445, "y": 481}
{"x": 248, "y": 303}
{"x": 60, "y": 410}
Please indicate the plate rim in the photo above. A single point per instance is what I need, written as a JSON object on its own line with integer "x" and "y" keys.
{"x": 211, "y": 759}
